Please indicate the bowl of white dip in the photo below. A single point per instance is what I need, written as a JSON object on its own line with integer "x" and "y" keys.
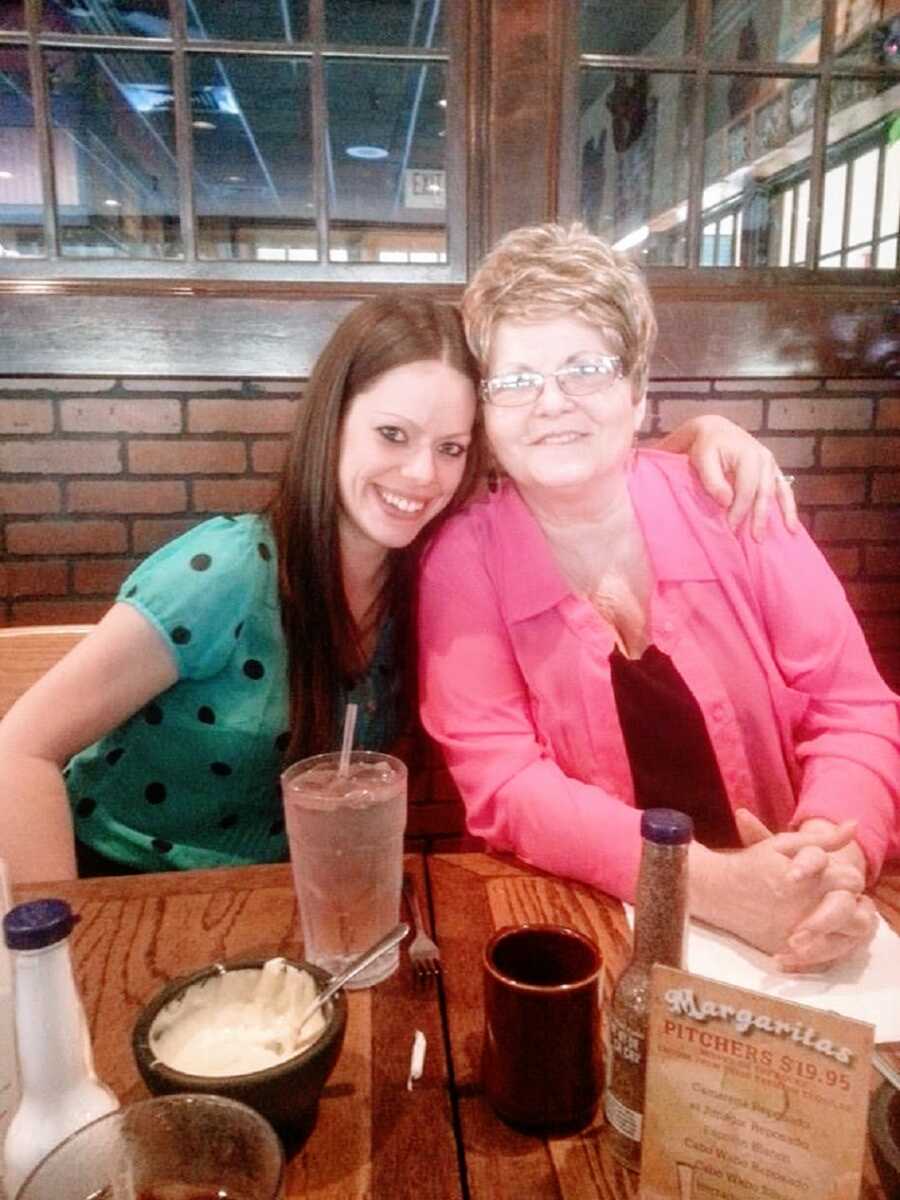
{"x": 231, "y": 1029}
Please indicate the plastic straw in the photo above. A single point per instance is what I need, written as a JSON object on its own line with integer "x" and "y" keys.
{"x": 347, "y": 744}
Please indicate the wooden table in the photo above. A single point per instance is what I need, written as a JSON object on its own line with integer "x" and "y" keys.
{"x": 374, "y": 1139}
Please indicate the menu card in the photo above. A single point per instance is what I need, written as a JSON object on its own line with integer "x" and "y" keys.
{"x": 750, "y": 1097}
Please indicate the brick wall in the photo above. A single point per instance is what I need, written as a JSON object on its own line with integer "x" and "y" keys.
{"x": 840, "y": 438}
{"x": 94, "y": 475}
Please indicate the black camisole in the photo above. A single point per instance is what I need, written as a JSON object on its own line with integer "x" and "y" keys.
{"x": 669, "y": 749}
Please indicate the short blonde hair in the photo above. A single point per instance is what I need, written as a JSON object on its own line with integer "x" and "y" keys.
{"x": 544, "y": 271}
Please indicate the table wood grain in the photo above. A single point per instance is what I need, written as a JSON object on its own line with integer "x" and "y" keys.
{"x": 474, "y": 894}
{"x": 373, "y": 1139}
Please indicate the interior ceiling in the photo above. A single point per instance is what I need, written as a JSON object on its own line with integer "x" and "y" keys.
{"x": 259, "y": 150}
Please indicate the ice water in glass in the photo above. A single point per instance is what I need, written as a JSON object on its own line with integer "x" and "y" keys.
{"x": 346, "y": 841}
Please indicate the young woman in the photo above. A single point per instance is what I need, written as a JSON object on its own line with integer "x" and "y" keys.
{"x": 235, "y": 649}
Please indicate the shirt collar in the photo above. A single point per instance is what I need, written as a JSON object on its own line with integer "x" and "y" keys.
{"x": 530, "y": 580}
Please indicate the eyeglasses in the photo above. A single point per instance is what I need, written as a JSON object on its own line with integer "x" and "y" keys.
{"x": 586, "y": 377}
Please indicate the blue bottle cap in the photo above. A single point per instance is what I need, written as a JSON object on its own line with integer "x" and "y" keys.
{"x": 38, "y": 923}
{"x": 666, "y": 826}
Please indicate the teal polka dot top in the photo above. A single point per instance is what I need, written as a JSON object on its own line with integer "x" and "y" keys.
{"x": 192, "y": 780}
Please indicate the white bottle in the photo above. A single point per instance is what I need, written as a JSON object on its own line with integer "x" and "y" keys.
{"x": 59, "y": 1090}
{"x": 9, "y": 1072}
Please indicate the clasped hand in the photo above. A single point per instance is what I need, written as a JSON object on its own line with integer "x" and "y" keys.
{"x": 797, "y": 896}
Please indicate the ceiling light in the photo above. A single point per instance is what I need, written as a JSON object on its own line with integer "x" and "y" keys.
{"x": 442, "y": 103}
{"x": 110, "y": 203}
{"x": 203, "y": 124}
{"x": 367, "y": 152}
{"x": 6, "y": 174}
{"x": 234, "y": 178}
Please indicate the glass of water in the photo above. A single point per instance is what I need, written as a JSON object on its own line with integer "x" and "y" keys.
{"x": 346, "y": 839}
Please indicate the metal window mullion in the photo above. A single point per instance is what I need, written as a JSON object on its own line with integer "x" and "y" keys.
{"x": 40, "y": 102}
{"x": 879, "y": 194}
{"x": 702, "y": 9}
{"x": 184, "y": 138}
{"x": 320, "y": 128}
{"x": 820, "y": 133}
{"x": 456, "y": 84}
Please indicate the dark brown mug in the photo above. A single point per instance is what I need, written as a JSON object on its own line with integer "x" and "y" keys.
{"x": 541, "y": 1054}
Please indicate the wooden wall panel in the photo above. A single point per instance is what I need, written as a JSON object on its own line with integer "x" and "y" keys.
{"x": 704, "y": 333}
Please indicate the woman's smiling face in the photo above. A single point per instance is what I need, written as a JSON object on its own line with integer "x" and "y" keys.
{"x": 559, "y": 441}
{"x": 403, "y": 451}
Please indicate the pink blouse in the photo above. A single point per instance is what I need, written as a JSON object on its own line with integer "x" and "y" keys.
{"x": 515, "y": 680}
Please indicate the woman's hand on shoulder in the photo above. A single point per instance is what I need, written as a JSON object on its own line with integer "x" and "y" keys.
{"x": 735, "y": 469}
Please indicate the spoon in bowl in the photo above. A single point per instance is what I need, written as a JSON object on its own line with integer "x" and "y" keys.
{"x": 388, "y": 942}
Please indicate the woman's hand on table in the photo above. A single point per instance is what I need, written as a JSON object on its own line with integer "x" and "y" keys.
{"x": 844, "y": 919}
{"x": 737, "y": 470}
{"x": 759, "y": 895}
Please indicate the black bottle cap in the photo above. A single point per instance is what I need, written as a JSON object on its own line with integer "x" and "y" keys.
{"x": 666, "y": 826}
{"x": 38, "y": 923}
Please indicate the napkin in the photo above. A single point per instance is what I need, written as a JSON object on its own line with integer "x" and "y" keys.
{"x": 865, "y": 986}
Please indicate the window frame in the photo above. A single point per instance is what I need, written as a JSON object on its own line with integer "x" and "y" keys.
{"x": 702, "y": 71}
{"x": 171, "y": 275}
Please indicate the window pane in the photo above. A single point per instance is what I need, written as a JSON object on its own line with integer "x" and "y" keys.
{"x": 385, "y": 22}
{"x": 252, "y": 135}
{"x": 785, "y": 217}
{"x": 386, "y": 162}
{"x": 21, "y": 193}
{"x": 633, "y": 132}
{"x": 12, "y": 14}
{"x": 114, "y": 155}
{"x": 862, "y": 31}
{"x": 658, "y": 27}
{"x": 833, "y": 201}
{"x": 801, "y": 225}
{"x": 758, "y": 132}
{"x": 861, "y": 257}
{"x": 862, "y": 198}
{"x": 248, "y": 20}
{"x": 887, "y": 254}
{"x": 890, "y": 197}
{"x": 149, "y": 18}
{"x": 770, "y": 30}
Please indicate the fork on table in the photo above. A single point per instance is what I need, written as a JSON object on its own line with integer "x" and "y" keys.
{"x": 423, "y": 951}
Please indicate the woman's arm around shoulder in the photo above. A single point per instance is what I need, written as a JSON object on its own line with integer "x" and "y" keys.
{"x": 116, "y": 669}
{"x": 739, "y": 472}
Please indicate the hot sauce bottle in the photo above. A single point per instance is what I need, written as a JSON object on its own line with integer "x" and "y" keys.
{"x": 659, "y": 923}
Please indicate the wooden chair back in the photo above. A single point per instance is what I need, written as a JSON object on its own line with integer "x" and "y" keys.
{"x": 28, "y": 651}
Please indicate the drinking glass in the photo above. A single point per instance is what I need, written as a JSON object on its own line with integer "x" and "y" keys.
{"x": 346, "y": 841}
{"x": 541, "y": 1055}
{"x": 185, "y": 1147}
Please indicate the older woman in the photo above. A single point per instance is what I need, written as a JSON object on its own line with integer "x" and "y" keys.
{"x": 597, "y": 639}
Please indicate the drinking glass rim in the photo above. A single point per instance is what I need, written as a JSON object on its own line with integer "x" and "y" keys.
{"x": 180, "y": 1100}
{"x": 542, "y": 927}
{"x": 333, "y": 755}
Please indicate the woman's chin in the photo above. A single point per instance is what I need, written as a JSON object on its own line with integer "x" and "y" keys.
{"x": 562, "y": 478}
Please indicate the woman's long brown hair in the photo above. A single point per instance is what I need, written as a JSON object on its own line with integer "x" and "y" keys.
{"x": 323, "y": 642}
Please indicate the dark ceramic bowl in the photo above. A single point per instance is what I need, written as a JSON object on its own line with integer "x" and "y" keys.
{"x": 287, "y": 1094}
{"x": 884, "y": 1131}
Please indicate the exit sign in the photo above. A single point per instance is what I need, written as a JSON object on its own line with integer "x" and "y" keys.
{"x": 425, "y": 189}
